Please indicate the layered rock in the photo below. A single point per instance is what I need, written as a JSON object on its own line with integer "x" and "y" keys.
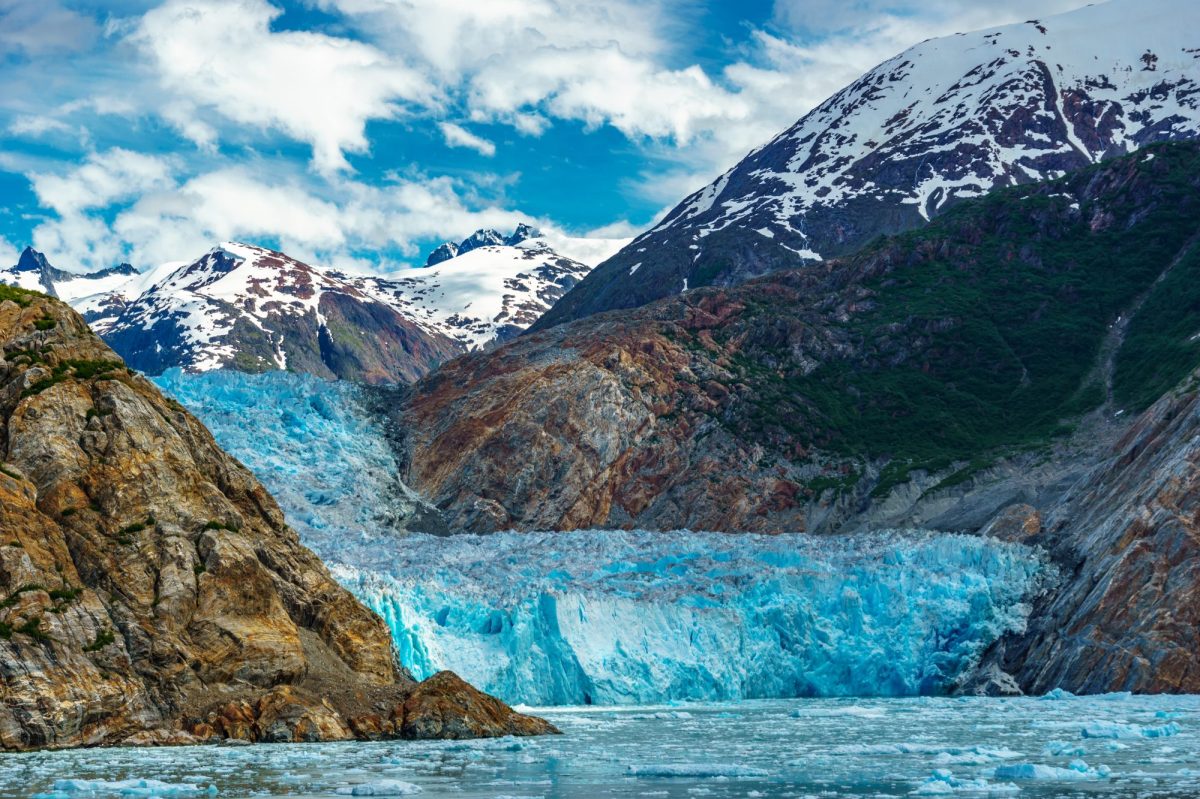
{"x": 150, "y": 590}
{"x": 930, "y": 380}
{"x": 1126, "y": 616}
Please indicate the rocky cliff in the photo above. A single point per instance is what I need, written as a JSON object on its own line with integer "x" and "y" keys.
{"x": 150, "y": 591}
{"x": 949, "y": 119}
{"x": 931, "y": 379}
{"x": 1125, "y": 616}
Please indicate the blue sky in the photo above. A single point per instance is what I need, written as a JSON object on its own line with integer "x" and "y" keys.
{"x": 363, "y": 132}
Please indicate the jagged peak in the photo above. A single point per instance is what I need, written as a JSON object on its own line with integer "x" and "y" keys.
{"x": 31, "y": 261}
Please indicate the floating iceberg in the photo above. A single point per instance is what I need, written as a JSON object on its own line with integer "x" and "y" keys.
{"x": 1112, "y": 729}
{"x": 137, "y": 787}
{"x": 380, "y": 788}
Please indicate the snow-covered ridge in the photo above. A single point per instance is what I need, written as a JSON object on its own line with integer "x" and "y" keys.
{"x": 950, "y": 118}
{"x": 490, "y": 289}
{"x": 997, "y": 106}
{"x": 239, "y": 304}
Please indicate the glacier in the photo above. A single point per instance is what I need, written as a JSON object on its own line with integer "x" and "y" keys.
{"x": 622, "y": 617}
{"x": 314, "y": 446}
{"x": 615, "y": 617}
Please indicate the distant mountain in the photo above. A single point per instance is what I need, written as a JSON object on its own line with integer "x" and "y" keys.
{"x": 491, "y": 289}
{"x": 246, "y": 307}
{"x": 35, "y": 273}
{"x": 948, "y": 119}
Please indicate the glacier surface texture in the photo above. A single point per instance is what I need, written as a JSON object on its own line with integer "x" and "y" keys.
{"x": 616, "y": 617}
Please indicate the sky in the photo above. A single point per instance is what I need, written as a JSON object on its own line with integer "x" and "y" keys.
{"x": 361, "y": 133}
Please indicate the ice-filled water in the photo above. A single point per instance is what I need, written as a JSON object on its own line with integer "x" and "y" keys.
{"x": 830, "y": 748}
{"x": 615, "y": 617}
{"x": 610, "y": 617}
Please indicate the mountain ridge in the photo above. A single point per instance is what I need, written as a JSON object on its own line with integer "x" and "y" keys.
{"x": 948, "y": 119}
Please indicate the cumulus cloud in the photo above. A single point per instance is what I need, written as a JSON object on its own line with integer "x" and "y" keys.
{"x": 222, "y": 55}
{"x": 122, "y": 206}
{"x": 458, "y": 136}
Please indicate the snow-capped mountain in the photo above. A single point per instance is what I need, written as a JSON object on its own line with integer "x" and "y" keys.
{"x": 246, "y": 307}
{"x": 32, "y": 271}
{"x": 491, "y": 289}
{"x": 948, "y": 119}
{"x": 250, "y": 308}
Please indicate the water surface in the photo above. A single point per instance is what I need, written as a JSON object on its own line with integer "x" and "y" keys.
{"x": 1111, "y": 746}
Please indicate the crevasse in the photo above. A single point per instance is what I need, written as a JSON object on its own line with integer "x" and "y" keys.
{"x": 610, "y": 617}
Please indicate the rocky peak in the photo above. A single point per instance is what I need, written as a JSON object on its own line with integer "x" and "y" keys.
{"x": 443, "y": 252}
{"x": 31, "y": 261}
{"x": 524, "y": 232}
{"x": 480, "y": 238}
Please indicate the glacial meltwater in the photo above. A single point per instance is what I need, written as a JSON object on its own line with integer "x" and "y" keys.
{"x": 676, "y": 664}
{"x": 1110, "y": 746}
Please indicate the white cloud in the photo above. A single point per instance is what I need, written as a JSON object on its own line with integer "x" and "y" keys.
{"x": 458, "y": 136}
{"x": 102, "y": 179}
{"x": 33, "y": 125}
{"x": 42, "y": 27}
{"x": 8, "y": 253}
{"x": 222, "y": 55}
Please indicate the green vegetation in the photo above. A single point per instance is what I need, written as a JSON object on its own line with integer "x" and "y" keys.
{"x": 983, "y": 329}
{"x": 46, "y": 323}
{"x": 15, "y": 596}
{"x": 213, "y": 524}
{"x": 22, "y": 297}
{"x": 103, "y": 638}
{"x": 33, "y": 628}
{"x": 7, "y": 472}
{"x": 1163, "y": 342}
{"x": 71, "y": 368}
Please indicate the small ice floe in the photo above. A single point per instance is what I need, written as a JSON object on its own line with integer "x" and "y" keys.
{"x": 943, "y": 782}
{"x": 1057, "y": 694}
{"x": 1064, "y": 749}
{"x": 74, "y": 788}
{"x": 699, "y": 771}
{"x": 1077, "y": 771}
{"x": 1113, "y": 729}
{"x": 380, "y": 788}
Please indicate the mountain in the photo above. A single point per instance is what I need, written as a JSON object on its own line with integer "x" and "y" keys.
{"x": 865, "y": 392}
{"x": 34, "y": 272}
{"x": 246, "y": 307}
{"x": 152, "y": 592}
{"x": 949, "y": 119}
{"x": 490, "y": 290}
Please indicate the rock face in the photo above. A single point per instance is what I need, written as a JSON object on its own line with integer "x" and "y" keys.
{"x": 150, "y": 591}
{"x": 930, "y": 380}
{"x": 948, "y": 119}
{"x": 1127, "y": 615}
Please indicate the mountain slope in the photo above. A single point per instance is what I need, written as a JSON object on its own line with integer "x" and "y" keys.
{"x": 254, "y": 309}
{"x": 874, "y": 391}
{"x": 948, "y": 119}
{"x": 32, "y": 271}
{"x": 150, "y": 591}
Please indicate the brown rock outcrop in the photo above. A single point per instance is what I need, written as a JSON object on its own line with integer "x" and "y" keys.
{"x": 150, "y": 590}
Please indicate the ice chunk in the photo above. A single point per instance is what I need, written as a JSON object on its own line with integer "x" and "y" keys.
{"x": 73, "y": 788}
{"x": 1077, "y": 771}
{"x": 943, "y": 783}
{"x": 1113, "y": 729}
{"x": 693, "y": 770}
{"x": 380, "y": 788}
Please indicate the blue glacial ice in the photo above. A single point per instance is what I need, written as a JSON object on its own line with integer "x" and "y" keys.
{"x": 614, "y": 617}
{"x": 308, "y": 440}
